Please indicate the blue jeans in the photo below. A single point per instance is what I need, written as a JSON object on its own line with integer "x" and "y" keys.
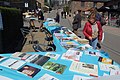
{"x": 93, "y": 43}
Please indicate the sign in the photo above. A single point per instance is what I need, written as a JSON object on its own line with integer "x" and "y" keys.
{"x": 26, "y": 4}
{"x": 1, "y": 22}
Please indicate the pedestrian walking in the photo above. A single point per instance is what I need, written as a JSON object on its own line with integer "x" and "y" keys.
{"x": 57, "y": 18}
{"x": 93, "y": 31}
{"x": 76, "y": 22}
{"x": 40, "y": 18}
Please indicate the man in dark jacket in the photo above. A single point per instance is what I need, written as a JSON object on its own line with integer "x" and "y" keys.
{"x": 77, "y": 22}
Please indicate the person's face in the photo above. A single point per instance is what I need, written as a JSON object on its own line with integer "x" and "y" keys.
{"x": 92, "y": 20}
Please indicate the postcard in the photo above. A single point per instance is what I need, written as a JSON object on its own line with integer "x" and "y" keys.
{"x": 48, "y": 77}
{"x": 52, "y": 55}
{"x": 29, "y": 70}
{"x": 54, "y": 67}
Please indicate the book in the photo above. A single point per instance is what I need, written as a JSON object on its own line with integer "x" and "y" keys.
{"x": 12, "y": 63}
{"x": 78, "y": 77}
{"x": 2, "y": 58}
{"x": 47, "y": 77}
{"x": 38, "y": 59}
{"x": 84, "y": 68}
{"x": 105, "y": 60}
{"x": 4, "y": 78}
{"x": 29, "y": 70}
{"x": 52, "y": 55}
{"x": 72, "y": 54}
{"x": 54, "y": 67}
{"x": 108, "y": 67}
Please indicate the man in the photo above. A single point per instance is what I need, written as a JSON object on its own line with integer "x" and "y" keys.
{"x": 77, "y": 22}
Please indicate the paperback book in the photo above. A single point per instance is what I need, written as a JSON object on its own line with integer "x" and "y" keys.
{"x": 72, "y": 54}
{"x": 105, "y": 60}
{"x": 29, "y": 70}
{"x": 48, "y": 77}
{"x": 12, "y": 63}
{"x": 38, "y": 59}
{"x": 84, "y": 68}
{"x": 52, "y": 55}
{"x": 54, "y": 67}
{"x": 78, "y": 77}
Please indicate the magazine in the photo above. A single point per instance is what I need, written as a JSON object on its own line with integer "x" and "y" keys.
{"x": 108, "y": 67}
{"x": 29, "y": 70}
{"x": 54, "y": 67}
{"x": 84, "y": 68}
{"x": 52, "y": 55}
{"x": 105, "y": 60}
{"x": 72, "y": 54}
{"x": 12, "y": 63}
{"x": 78, "y": 77}
{"x": 48, "y": 77}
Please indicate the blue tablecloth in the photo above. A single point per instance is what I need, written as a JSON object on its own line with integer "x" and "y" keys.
{"x": 67, "y": 75}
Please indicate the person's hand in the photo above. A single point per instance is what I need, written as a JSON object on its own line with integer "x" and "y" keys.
{"x": 90, "y": 37}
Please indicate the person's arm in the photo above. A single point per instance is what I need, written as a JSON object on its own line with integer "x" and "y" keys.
{"x": 84, "y": 31}
{"x": 100, "y": 32}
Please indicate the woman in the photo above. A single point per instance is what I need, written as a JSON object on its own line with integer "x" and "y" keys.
{"x": 93, "y": 31}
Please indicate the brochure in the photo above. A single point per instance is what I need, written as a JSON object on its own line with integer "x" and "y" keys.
{"x": 29, "y": 70}
{"x": 12, "y": 63}
{"x": 48, "y": 77}
{"x": 72, "y": 54}
{"x": 108, "y": 67}
{"x": 105, "y": 60}
{"x": 52, "y": 55}
{"x": 54, "y": 67}
{"x": 84, "y": 68}
{"x": 78, "y": 77}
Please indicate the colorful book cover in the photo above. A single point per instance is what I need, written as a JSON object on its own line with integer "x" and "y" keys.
{"x": 54, "y": 67}
{"x": 29, "y": 70}
{"x": 47, "y": 77}
{"x": 105, "y": 60}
